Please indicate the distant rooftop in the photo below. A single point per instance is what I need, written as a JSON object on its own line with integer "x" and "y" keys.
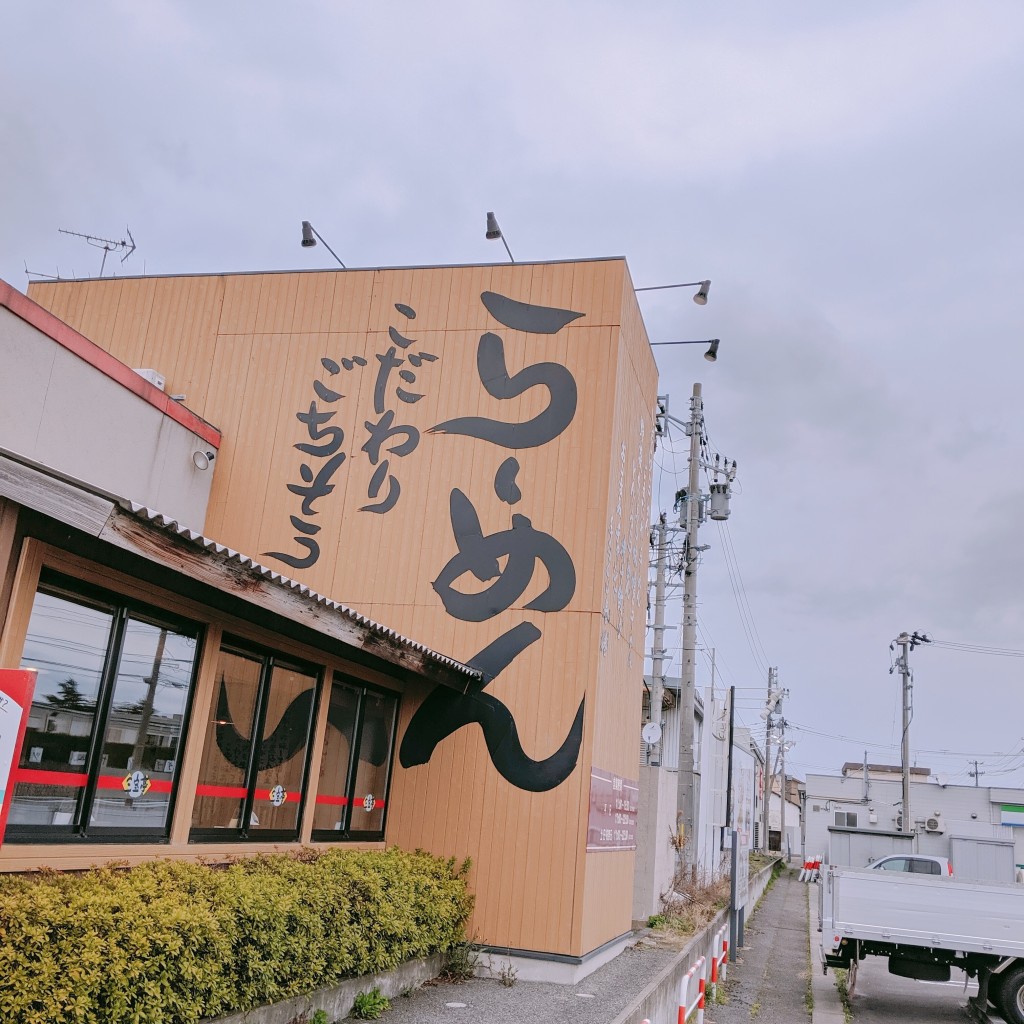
{"x": 857, "y": 767}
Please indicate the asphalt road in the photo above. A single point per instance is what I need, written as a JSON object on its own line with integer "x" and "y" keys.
{"x": 884, "y": 998}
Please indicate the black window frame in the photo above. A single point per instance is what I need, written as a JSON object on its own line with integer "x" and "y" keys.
{"x": 121, "y": 608}
{"x": 348, "y": 834}
{"x": 271, "y": 659}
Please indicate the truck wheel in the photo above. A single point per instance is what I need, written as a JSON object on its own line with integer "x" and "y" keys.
{"x": 1011, "y": 995}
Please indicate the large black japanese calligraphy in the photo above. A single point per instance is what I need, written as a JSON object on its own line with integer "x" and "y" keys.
{"x": 544, "y": 427}
{"x": 290, "y": 734}
{"x": 479, "y": 555}
{"x": 446, "y": 710}
{"x": 383, "y": 435}
{"x": 509, "y": 557}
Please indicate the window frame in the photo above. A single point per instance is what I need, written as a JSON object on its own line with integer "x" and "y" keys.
{"x": 121, "y": 608}
{"x": 271, "y": 659}
{"x": 348, "y": 834}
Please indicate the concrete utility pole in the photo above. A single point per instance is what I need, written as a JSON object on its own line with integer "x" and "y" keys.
{"x": 766, "y": 782}
{"x": 658, "y": 647}
{"x": 782, "y": 820}
{"x": 907, "y": 642}
{"x": 903, "y": 663}
{"x": 685, "y": 792}
{"x": 768, "y": 773}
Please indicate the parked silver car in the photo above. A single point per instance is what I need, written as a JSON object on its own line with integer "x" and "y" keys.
{"x": 915, "y": 863}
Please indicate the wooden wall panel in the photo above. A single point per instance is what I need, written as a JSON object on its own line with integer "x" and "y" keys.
{"x": 253, "y": 345}
{"x": 606, "y": 904}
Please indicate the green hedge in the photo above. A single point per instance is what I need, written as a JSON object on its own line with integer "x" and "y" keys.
{"x": 172, "y": 943}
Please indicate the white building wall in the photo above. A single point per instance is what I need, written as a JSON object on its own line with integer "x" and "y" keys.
{"x": 966, "y": 811}
{"x": 59, "y": 410}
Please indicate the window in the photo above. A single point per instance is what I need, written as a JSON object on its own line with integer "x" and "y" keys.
{"x": 100, "y": 755}
{"x": 846, "y": 819}
{"x": 356, "y": 765}
{"x": 919, "y": 866}
{"x": 254, "y": 768}
{"x": 894, "y": 864}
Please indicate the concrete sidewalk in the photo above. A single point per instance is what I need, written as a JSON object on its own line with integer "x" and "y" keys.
{"x": 828, "y": 1008}
{"x": 768, "y": 979}
{"x": 599, "y": 999}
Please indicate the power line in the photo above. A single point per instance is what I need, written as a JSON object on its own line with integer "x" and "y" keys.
{"x": 999, "y": 652}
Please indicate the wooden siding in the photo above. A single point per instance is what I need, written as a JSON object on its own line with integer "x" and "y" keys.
{"x": 245, "y": 349}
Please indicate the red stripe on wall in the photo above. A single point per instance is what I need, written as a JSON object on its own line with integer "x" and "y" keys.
{"x": 335, "y": 801}
{"x": 116, "y": 782}
{"x": 240, "y": 792}
{"x": 235, "y": 791}
{"x": 46, "y": 778}
{"x": 289, "y": 798}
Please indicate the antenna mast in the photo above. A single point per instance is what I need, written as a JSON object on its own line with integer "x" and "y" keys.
{"x": 127, "y": 246}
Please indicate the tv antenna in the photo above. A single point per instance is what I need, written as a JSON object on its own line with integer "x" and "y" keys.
{"x": 39, "y": 273}
{"x": 127, "y": 246}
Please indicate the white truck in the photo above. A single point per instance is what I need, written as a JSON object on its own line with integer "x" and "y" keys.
{"x": 925, "y": 925}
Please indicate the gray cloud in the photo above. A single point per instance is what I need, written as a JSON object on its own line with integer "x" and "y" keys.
{"x": 847, "y": 175}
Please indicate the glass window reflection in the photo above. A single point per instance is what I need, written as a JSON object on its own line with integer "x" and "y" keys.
{"x": 107, "y": 716}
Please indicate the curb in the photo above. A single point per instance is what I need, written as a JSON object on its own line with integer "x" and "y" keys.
{"x": 337, "y": 1001}
{"x": 662, "y": 992}
{"x": 671, "y": 975}
{"x": 828, "y": 1009}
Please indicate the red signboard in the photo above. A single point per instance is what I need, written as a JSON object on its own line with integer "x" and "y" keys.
{"x": 16, "y": 688}
{"x": 613, "y": 807}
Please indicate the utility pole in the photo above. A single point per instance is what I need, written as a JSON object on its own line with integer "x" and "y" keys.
{"x": 658, "y": 647}
{"x": 907, "y": 642}
{"x": 782, "y": 820}
{"x": 774, "y": 696}
{"x": 974, "y": 775}
{"x": 903, "y": 664}
{"x": 766, "y": 798}
{"x": 685, "y": 792}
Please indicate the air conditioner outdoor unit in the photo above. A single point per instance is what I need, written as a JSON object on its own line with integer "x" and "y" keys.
{"x": 935, "y": 824}
{"x": 154, "y": 377}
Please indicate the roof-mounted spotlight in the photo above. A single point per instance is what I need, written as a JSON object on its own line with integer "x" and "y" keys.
{"x": 712, "y": 343}
{"x": 701, "y": 296}
{"x": 309, "y": 237}
{"x": 493, "y": 231}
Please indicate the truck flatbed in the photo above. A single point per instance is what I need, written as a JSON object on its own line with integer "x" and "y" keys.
{"x": 921, "y": 911}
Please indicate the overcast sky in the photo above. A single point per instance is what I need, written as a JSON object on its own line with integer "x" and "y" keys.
{"x": 847, "y": 175}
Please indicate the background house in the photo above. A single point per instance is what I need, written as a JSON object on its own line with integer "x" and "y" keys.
{"x": 871, "y": 802}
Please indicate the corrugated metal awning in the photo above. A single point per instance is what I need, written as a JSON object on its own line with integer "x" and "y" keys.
{"x": 107, "y": 517}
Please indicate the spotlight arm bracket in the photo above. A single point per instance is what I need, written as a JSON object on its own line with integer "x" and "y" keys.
{"x": 660, "y": 287}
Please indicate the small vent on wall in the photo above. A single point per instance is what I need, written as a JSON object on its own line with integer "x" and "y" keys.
{"x": 156, "y": 379}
